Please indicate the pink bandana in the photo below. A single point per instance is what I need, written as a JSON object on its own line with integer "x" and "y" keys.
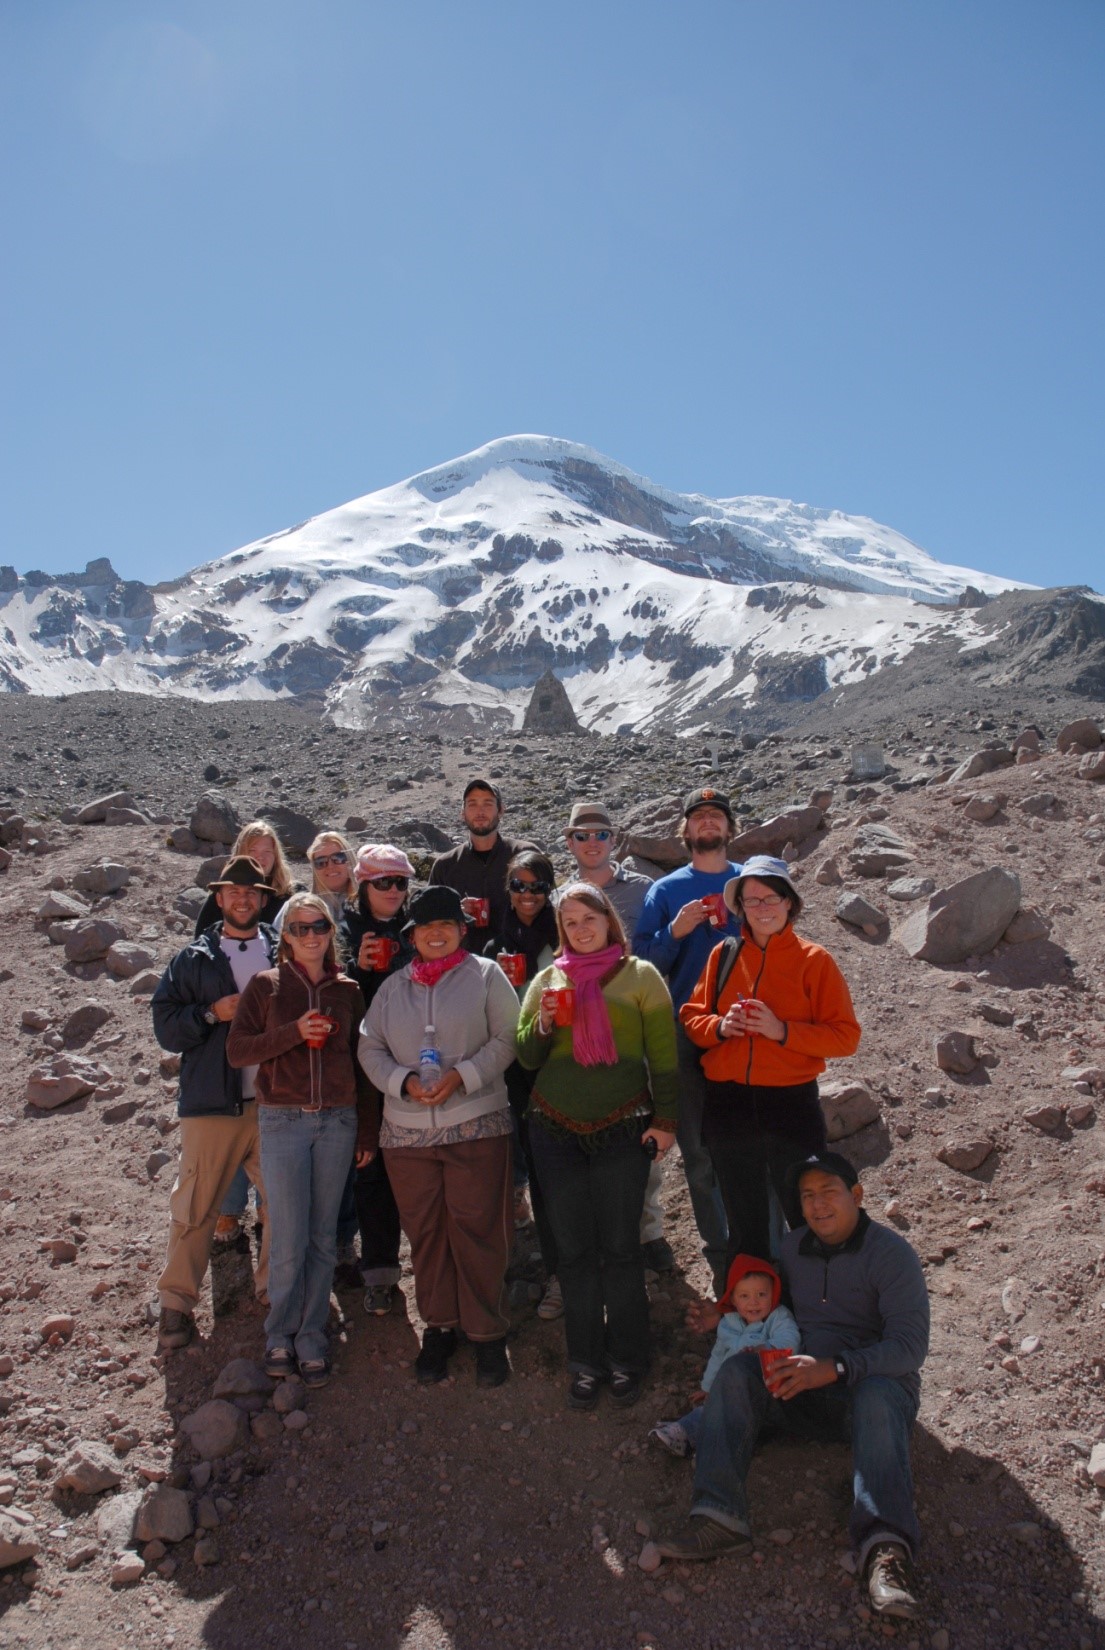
{"x": 592, "y": 1039}
{"x": 428, "y": 973}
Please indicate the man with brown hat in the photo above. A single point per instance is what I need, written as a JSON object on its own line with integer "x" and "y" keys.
{"x": 192, "y": 1009}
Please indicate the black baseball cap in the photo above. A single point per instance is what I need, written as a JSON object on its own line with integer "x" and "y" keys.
{"x": 483, "y": 785}
{"x": 707, "y": 798}
{"x": 830, "y": 1163}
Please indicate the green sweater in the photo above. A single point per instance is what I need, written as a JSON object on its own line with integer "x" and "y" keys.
{"x": 643, "y": 1024}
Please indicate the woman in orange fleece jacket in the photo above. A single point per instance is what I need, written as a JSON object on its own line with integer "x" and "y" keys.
{"x": 784, "y": 1010}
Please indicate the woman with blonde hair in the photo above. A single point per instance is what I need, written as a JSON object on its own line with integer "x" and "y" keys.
{"x": 259, "y": 841}
{"x": 298, "y": 1023}
{"x": 331, "y": 859}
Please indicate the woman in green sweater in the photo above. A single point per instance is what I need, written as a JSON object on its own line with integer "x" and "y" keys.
{"x": 605, "y": 1091}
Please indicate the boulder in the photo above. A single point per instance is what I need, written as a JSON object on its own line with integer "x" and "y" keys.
{"x": 549, "y": 709}
{"x": 289, "y": 1396}
{"x": 1092, "y": 766}
{"x": 417, "y": 832}
{"x": 209, "y": 870}
{"x": 214, "y": 818}
{"x": 848, "y": 1107}
{"x": 1084, "y": 732}
{"x": 1028, "y": 924}
{"x": 95, "y": 812}
{"x": 965, "y": 1154}
{"x": 165, "y": 1515}
{"x": 145, "y": 984}
{"x": 105, "y": 877}
{"x": 1027, "y": 740}
{"x": 910, "y": 888}
{"x": 1040, "y": 805}
{"x": 296, "y": 830}
{"x": 115, "y": 1520}
{"x": 796, "y": 825}
{"x": 828, "y": 873}
{"x": 91, "y": 939}
{"x": 963, "y": 920}
{"x": 18, "y": 1541}
{"x": 858, "y": 912}
{"x": 5, "y": 858}
{"x": 987, "y": 761}
{"x": 88, "y": 1469}
{"x": 126, "y": 816}
{"x": 181, "y": 839}
{"x": 651, "y": 830}
{"x": 867, "y": 763}
{"x": 83, "y": 1023}
{"x": 125, "y": 959}
{"x": 48, "y": 1089}
{"x": 60, "y": 907}
{"x": 239, "y": 1377}
{"x": 190, "y": 902}
{"x": 217, "y": 1428}
{"x": 956, "y": 1052}
{"x": 877, "y": 849}
{"x": 1096, "y": 1467}
{"x": 1048, "y": 1119}
{"x": 984, "y": 805}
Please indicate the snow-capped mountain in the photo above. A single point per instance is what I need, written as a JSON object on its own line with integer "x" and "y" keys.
{"x": 462, "y": 585}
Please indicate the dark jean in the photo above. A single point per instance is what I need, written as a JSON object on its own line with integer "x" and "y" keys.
{"x": 698, "y": 1166}
{"x": 875, "y": 1415}
{"x": 755, "y": 1135}
{"x": 378, "y": 1219}
{"x": 519, "y": 1086}
{"x": 594, "y": 1200}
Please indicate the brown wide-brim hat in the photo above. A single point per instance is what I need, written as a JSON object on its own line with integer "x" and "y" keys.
{"x": 589, "y": 816}
{"x": 242, "y": 872}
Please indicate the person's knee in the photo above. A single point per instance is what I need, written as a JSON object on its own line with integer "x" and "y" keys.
{"x": 880, "y": 1404}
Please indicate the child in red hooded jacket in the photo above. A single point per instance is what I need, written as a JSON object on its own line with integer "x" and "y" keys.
{"x": 752, "y": 1320}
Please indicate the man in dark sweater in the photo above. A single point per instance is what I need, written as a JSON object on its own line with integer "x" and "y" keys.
{"x": 478, "y": 870}
{"x": 859, "y": 1296}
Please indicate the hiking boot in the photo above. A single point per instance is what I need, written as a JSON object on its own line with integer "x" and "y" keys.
{"x": 432, "y": 1363}
{"x": 174, "y": 1329}
{"x": 890, "y": 1582}
{"x": 378, "y": 1298}
{"x": 702, "y": 1538}
{"x": 551, "y": 1304}
{"x": 658, "y": 1255}
{"x": 228, "y": 1229}
{"x": 492, "y": 1365}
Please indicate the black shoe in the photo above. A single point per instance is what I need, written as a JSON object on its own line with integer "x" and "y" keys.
{"x": 492, "y": 1366}
{"x": 432, "y": 1363}
{"x": 625, "y": 1388}
{"x": 700, "y": 1539}
{"x": 658, "y": 1255}
{"x": 584, "y": 1391}
{"x": 174, "y": 1329}
{"x": 890, "y": 1582}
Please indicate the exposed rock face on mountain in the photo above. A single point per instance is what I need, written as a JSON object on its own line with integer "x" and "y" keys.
{"x": 442, "y": 600}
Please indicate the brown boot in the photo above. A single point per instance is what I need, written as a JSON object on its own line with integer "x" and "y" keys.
{"x": 890, "y": 1582}
{"x": 174, "y": 1329}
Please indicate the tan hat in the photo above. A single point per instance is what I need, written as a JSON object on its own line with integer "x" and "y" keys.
{"x": 589, "y": 816}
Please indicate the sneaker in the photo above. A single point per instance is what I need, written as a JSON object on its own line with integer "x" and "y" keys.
{"x": 658, "y": 1255}
{"x": 492, "y": 1364}
{"x": 552, "y": 1302}
{"x": 702, "y": 1538}
{"x": 279, "y": 1362}
{"x": 523, "y": 1214}
{"x": 890, "y": 1582}
{"x": 584, "y": 1391}
{"x": 670, "y": 1436}
{"x": 228, "y": 1229}
{"x": 378, "y": 1298}
{"x": 432, "y": 1363}
{"x": 315, "y": 1372}
{"x": 174, "y": 1329}
{"x": 625, "y": 1388}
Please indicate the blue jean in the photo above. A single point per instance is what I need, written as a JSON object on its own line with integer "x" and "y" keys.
{"x": 875, "y": 1415}
{"x": 234, "y": 1203}
{"x": 305, "y": 1159}
{"x": 593, "y": 1200}
{"x": 706, "y": 1200}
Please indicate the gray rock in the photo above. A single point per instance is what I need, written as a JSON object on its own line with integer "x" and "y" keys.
{"x": 84, "y": 1023}
{"x": 165, "y": 1515}
{"x": 297, "y": 1420}
{"x": 207, "y": 1517}
{"x": 32, "y": 1019}
{"x": 217, "y": 1428}
{"x": 48, "y": 1088}
{"x": 956, "y": 1052}
{"x": 214, "y": 818}
{"x": 59, "y": 907}
{"x": 417, "y": 831}
{"x": 181, "y": 838}
{"x": 963, "y": 920}
{"x": 996, "y": 1015}
{"x": 828, "y": 873}
{"x": 1092, "y": 766}
{"x": 1048, "y": 1119}
{"x": 910, "y": 888}
{"x": 984, "y": 805}
{"x": 867, "y": 763}
{"x": 88, "y": 1469}
{"x": 1040, "y": 805}
{"x": 105, "y": 877}
{"x": 289, "y": 1395}
{"x": 190, "y": 902}
{"x": 115, "y": 1520}
{"x": 239, "y": 1377}
{"x": 965, "y": 1154}
{"x": 127, "y": 1569}
{"x": 848, "y": 1107}
{"x": 1084, "y": 732}
{"x": 1096, "y": 1467}
{"x": 1028, "y": 924}
{"x": 126, "y": 959}
{"x": 859, "y": 912}
{"x": 145, "y": 984}
{"x": 877, "y": 849}
{"x": 18, "y": 1540}
{"x": 988, "y": 761}
{"x": 126, "y": 816}
{"x": 266, "y": 1427}
{"x": 549, "y": 709}
{"x": 209, "y": 870}
{"x": 91, "y": 939}
{"x": 157, "y": 1161}
{"x": 95, "y": 812}
{"x": 206, "y": 1551}
{"x": 795, "y": 826}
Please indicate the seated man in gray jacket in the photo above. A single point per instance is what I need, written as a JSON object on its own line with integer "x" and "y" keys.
{"x": 859, "y": 1296}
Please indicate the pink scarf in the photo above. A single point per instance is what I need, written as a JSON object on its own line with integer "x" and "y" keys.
{"x": 592, "y": 1039}
{"x": 428, "y": 973}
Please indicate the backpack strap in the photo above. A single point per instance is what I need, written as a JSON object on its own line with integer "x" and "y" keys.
{"x": 730, "y": 948}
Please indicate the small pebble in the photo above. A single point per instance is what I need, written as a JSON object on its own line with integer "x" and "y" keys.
{"x": 649, "y": 1559}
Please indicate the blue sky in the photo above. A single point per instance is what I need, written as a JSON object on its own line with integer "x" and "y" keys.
{"x": 261, "y": 258}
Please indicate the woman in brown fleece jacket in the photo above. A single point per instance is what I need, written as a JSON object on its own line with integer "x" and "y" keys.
{"x": 298, "y": 1024}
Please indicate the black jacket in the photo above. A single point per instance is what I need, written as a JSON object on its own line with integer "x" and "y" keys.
{"x": 353, "y": 924}
{"x": 478, "y": 876}
{"x": 198, "y": 976}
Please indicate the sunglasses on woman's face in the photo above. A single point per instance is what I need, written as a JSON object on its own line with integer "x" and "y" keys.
{"x": 517, "y": 886}
{"x": 585, "y": 836}
{"x": 321, "y": 861}
{"x": 299, "y": 930}
{"x": 384, "y": 883}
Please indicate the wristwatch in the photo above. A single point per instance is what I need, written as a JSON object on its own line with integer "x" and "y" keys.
{"x": 841, "y": 1371}
{"x": 210, "y": 1016}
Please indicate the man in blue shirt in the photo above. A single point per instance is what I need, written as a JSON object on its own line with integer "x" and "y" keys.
{"x": 677, "y": 931}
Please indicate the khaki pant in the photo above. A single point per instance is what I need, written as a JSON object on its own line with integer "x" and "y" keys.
{"x": 456, "y": 1204}
{"x": 212, "y": 1149}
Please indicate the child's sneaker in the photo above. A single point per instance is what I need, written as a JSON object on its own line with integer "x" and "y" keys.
{"x": 672, "y": 1437}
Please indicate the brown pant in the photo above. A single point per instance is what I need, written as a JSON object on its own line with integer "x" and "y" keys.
{"x": 211, "y": 1151}
{"x": 456, "y": 1204}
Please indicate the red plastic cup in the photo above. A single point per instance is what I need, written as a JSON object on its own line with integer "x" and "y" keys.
{"x": 319, "y": 1042}
{"x": 770, "y": 1356}
{"x": 560, "y": 1005}
{"x": 717, "y": 910}
{"x": 513, "y": 965}
{"x": 379, "y": 951}
{"x": 481, "y": 912}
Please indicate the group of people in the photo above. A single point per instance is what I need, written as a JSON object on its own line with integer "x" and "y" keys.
{"x": 379, "y": 1059}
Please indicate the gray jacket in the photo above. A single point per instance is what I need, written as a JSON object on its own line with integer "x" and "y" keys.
{"x": 473, "y": 1010}
{"x": 865, "y": 1301}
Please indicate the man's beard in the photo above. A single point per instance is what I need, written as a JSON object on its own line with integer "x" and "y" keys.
{"x": 706, "y": 844}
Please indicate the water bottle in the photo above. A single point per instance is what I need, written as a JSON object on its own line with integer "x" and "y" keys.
{"x": 429, "y": 1060}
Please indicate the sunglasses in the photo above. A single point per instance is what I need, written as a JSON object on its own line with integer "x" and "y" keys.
{"x": 517, "y": 886}
{"x": 299, "y": 930}
{"x": 324, "y": 860}
{"x": 585, "y": 836}
{"x": 768, "y": 903}
{"x": 402, "y": 883}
